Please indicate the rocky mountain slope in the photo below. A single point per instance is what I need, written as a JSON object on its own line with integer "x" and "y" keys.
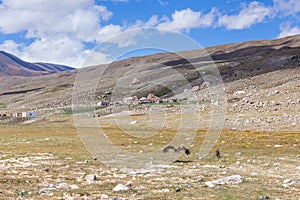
{"x": 11, "y": 65}
{"x": 261, "y": 82}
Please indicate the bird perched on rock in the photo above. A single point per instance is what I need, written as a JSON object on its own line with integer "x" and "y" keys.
{"x": 180, "y": 148}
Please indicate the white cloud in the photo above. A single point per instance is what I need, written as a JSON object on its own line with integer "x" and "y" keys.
{"x": 11, "y": 47}
{"x": 57, "y": 27}
{"x": 287, "y": 30}
{"x": 163, "y": 3}
{"x": 94, "y": 58}
{"x": 254, "y": 13}
{"x": 287, "y": 7}
{"x": 153, "y": 21}
{"x": 187, "y": 19}
{"x": 77, "y": 18}
{"x": 59, "y": 49}
{"x": 107, "y": 32}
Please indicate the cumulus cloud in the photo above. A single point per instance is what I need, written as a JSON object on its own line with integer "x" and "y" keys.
{"x": 11, "y": 46}
{"x": 287, "y": 30}
{"x": 250, "y": 15}
{"x": 287, "y": 7}
{"x": 96, "y": 58}
{"x": 187, "y": 19}
{"x": 77, "y": 18}
{"x": 58, "y": 28}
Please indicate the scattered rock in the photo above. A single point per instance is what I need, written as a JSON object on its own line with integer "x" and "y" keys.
{"x": 254, "y": 174}
{"x": 121, "y": 187}
{"x": 166, "y": 190}
{"x": 234, "y": 179}
{"x": 90, "y": 178}
{"x": 74, "y": 187}
{"x": 263, "y": 197}
{"x": 104, "y": 196}
{"x": 285, "y": 185}
{"x": 63, "y": 186}
{"x": 132, "y": 122}
{"x": 211, "y": 166}
{"x": 238, "y": 93}
{"x": 209, "y": 184}
{"x": 195, "y": 88}
{"x": 239, "y": 153}
{"x": 200, "y": 179}
{"x": 178, "y": 189}
{"x": 42, "y": 192}
{"x": 45, "y": 170}
{"x": 135, "y": 81}
{"x": 194, "y": 167}
{"x": 21, "y": 194}
{"x": 287, "y": 181}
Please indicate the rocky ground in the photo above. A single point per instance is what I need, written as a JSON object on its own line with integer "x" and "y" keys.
{"x": 46, "y": 160}
{"x": 45, "y": 176}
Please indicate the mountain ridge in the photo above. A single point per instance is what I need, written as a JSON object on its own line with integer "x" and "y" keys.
{"x": 11, "y": 65}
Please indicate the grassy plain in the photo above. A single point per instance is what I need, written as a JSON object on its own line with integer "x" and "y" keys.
{"x": 45, "y": 159}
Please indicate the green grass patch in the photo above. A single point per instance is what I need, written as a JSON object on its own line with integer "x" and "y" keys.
{"x": 2, "y": 105}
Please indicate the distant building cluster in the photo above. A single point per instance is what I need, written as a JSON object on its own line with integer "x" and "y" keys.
{"x": 20, "y": 114}
{"x": 132, "y": 100}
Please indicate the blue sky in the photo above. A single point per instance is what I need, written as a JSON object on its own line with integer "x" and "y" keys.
{"x": 68, "y": 31}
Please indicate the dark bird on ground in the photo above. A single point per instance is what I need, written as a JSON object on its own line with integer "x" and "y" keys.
{"x": 218, "y": 154}
{"x": 180, "y": 148}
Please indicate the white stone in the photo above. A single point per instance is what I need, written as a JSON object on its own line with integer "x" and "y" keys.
{"x": 238, "y": 93}
{"x": 195, "y": 88}
{"x": 90, "y": 178}
{"x": 254, "y": 174}
{"x": 62, "y": 185}
{"x": 133, "y": 122}
{"x": 165, "y": 190}
{"x": 209, "y": 184}
{"x": 135, "y": 81}
{"x": 104, "y": 196}
{"x": 74, "y": 187}
{"x": 234, "y": 179}
{"x": 287, "y": 181}
{"x": 121, "y": 187}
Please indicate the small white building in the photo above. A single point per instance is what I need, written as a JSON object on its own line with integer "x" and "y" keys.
{"x": 28, "y": 114}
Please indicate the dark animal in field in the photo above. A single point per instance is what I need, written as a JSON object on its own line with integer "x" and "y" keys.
{"x": 218, "y": 154}
{"x": 180, "y": 148}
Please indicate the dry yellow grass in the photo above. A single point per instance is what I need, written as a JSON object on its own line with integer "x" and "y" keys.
{"x": 64, "y": 155}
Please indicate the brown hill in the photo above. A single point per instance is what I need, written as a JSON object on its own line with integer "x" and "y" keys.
{"x": 11, "y": 65}
{"x": 269, "y": 64}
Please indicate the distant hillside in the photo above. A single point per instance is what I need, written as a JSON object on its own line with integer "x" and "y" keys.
{"x": 11, "y": 65}
{"x": 253, "y": 66}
